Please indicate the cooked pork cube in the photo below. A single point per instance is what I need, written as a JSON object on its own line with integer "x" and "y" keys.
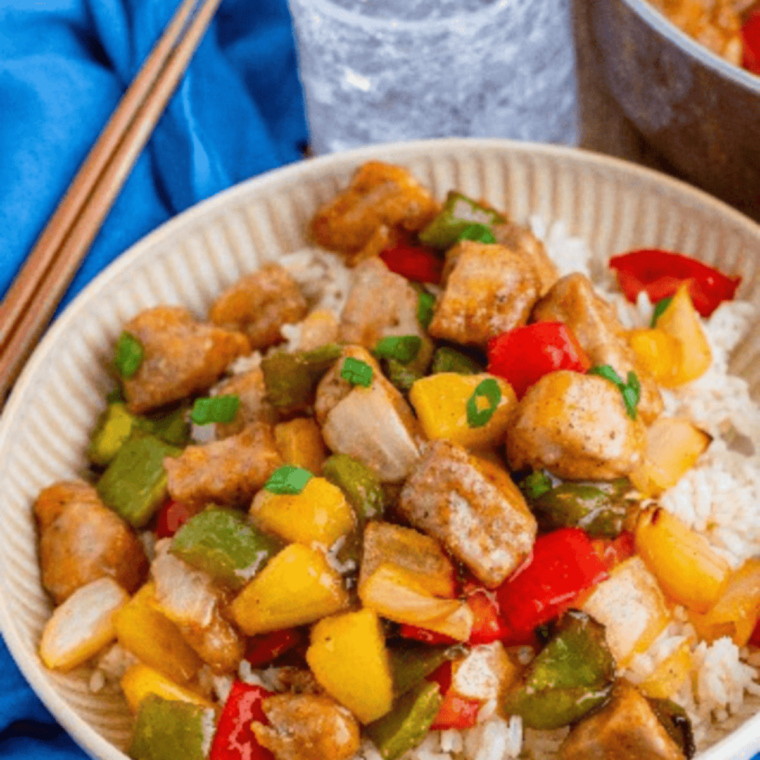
{"x": 485, "y": 673}
{"x": 373, "y": 424}
{"x": 472, "y": 507}
{"x": 572, "y": 300}
{"x": 307, "y": 727}
{"x": 625, "y": 728}
{"x": 181, "y": 356}
{"x": 521, "y": 239}
{"x": 379, "y": 196}
{"x": 577, "y": 427}
{"x": 254, "y": 407}
{"x": 380, "y": 303}
{"x": 319, "y": 328}
{"x": 259, "y": 304}
{"x": 82, "y": 540}
{"x": 489, "y": 289}
{"x": 226, "y": 472}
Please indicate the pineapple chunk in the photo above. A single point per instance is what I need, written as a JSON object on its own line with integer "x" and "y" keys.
{"x": 659, "y": 353}
{"x": 686, "y": 566}
{"x": 299, "y": 442}
{"x": 672, "y": 448}
{"x": 441, "y": 405}
{"x": 297, "y": 587}
{"x": 349, "y": 659}
{"x": 82, "y": 625}
{"x": 319, "y": 514}
{"x": 140, "y": 681}
{"x": 666, "y": 679}
{"x": 631, "y": 607}
{"x": 142, "y": 630}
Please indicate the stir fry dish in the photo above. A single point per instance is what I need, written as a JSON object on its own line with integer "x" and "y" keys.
{"x": 435, "y": 511}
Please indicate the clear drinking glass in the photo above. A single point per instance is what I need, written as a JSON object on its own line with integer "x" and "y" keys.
{"x": 378, "y": 71}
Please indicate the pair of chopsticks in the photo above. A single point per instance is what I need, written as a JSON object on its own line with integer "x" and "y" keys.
{"x": 42, "y": 281}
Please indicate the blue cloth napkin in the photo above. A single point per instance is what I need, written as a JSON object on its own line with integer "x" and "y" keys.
{"x": 64, "y": 64}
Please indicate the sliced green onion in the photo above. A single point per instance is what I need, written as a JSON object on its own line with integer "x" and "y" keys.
{"x": 631, "y": 390}
{"x": 489, "y": 390}
{"x": 288, "y": 479}
{"x": 357, "y": 372}
{"x": 215, "y": 409}
{"x": 605, "y": 371}
{"x": 535, "y": 485}
{"x": 128, "y": 355}
{"x": 402, "y": 348}
{"x": 480, "y": 233}
{"x": 425, "y": 308}
{"x": 660, "y": 307}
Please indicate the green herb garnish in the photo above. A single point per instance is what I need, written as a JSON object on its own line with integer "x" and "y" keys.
{"x": 356, "y": 372}
{"x": 480, "y": 233}
{"x": 535, "y": 485}
{"x": 402, "y": 348}
{"x": 128, "y": 355}
{"x": 215, "y": 409}
{"x": 425, "y": 308}
{"x": 288, "y": 479}
{"x": 489, "y": 390}
{"x": 631, "y": 390}
{"x": 660, "y": 307}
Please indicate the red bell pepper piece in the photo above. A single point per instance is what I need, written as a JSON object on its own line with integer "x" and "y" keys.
{"x": 524, "y": 355}
{"x": 423, "y": 634}
{"x": 614, "y": 551}
{"x": 750, "y": 32}
{"x": 660, "y": 273}
{"x": 269, "y": 646}
{"x": 754, "y": 639}
{"x": 171, "y": 517}
{"x": 562, "y": 565}
{"x": 414, "y": 262}
{"x": 234, "y": 738}
{"x": 455, "y": 711}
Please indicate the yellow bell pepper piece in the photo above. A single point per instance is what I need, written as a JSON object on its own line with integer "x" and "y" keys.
{"x": 687, "y": 568}
{"x": 297, "y": 587}
{"x": 149, "y": 635}
{"x": 672, "y": 448}
{"x": 441, "y": 405}
{"x": 666, "y": 679}
{"x": 319, "y": 514}
{"x": 140, "y": 681}
{"x": 299, "y": 442}
{"x": 659, "y": 353}
{"x": 349, "y": 659}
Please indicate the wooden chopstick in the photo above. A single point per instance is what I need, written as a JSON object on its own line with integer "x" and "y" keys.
{"x": 39, "y": 286}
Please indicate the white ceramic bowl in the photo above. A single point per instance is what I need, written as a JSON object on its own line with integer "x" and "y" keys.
{"x": 45, "y": 426}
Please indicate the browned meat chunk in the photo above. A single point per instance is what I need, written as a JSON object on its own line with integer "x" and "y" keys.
{"x": 521, "y": 239}
{"x": 224, "y": 472}
{"x": 259, "y": 304}
{"x": 254, "y": 407}
{"x": 625, "y": 728}
{"x": 81, "y": 540}
{"x": 380, "y": 303}
{"x": 182, "y": 356}
{"x": 576, "y": 426}
{"x": 307, "y": 727}
{"x": 472, "y": 507}
{"x": 489, "y": 289}
{"x": 374, "y": 424}
{"x": 319, "y": 327}
{"x": 573, "y": 301}
{"x": 380, "y": 195}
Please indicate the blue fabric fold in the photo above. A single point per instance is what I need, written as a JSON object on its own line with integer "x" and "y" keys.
{"x": 64, "y": 64}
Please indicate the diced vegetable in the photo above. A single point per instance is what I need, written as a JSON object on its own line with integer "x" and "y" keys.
{"x": 411, "y": 664}
{"x": 128, "y": 355}
{"x": 347, "y": 654}
{"x": 360, "y": 485}
{"x": 223, "y": 543}
{"x": 567, "y": 679}
{"x": 488, "y": 623}
{"x": 407, "y": 724}
{"x": 456, "y": 711}
{"x": 661, "y": 273}
{"x": 265, "y": 647}
{"x": 659, "y": 353}
{"x": 171, "y": 517}
{"x": 689, "y": 570}
{"x": 234, "y": 738}
{"x": 288, "y": 479}
{"x": 669, "y": 675}
{"x": 672, "y": 448}
{"x": 750, "y": 33}
{"x": 676, "y": 723}
{"x": 446, "y": 359}
{"x": 167, "y": 729}
{"x": 524, "y": 355}
{"x": 134, "y": 485}
{"x": 416, "y": 263}
{"x": 297, "y": 587}
{"x": 300, "y": 443}
{"x": 140, "y": 681}
{"x": 425, "y": 308}
{"x": 212, "y": 409}
{"x": 458, "y": 213}
{"x": 319, "y": 514}
{"x": 113, "y": 428}
{"x": 157, "y": 642}
{"x": 82, "y": 625}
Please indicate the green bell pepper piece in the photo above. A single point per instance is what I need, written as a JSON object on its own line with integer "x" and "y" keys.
{"x": 134, "y": 484}
{"x": 113, "y": 428}
{"x": 568, "y": 678}
{"x": 459, "y": 212}
{"x": 676, "y": 722}
{"x": 166, "y": 730}
{"x": 225, "y": 544}
{"x": 172, "y": 426}
{"x": 448, "y": 359}
{"x": 360, "y": 485}
{"x": 407, "y": 724}
{"x": 410, "y": 664}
